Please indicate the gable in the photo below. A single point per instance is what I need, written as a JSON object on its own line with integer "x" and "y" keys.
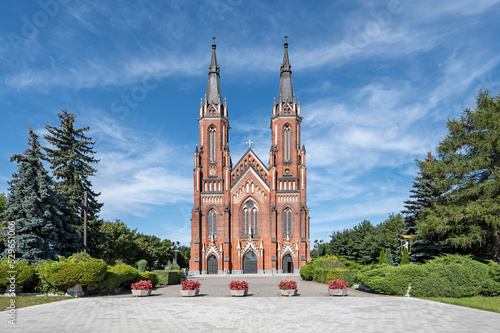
{"x": 249, "y": 162}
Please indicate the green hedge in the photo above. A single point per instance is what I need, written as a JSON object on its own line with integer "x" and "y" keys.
{"x": 151, "y": 276}
{"x": 64, "y": 274}
{"x": 446, "y": 276}
{"x": 125, "y": 274}
{"x": 328, "y": 268}
{"x": 168, "y": 277}
{"x": 25, "y": 276}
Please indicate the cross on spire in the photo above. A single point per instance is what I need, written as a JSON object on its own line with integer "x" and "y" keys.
{"x": 286, "y": 39}
{"x": 213, "y": 38}
{"x": 249, "y": 143}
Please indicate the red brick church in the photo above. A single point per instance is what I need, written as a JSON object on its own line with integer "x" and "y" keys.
{"x": 249, "y": 217}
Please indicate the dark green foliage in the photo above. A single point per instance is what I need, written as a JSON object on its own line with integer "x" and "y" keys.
{"x": 467, "y": 217}
{"x": 405, "y": 259}
{"x": 3, "y": 207}
{"x": 451, "y": 276}
{"x": 25, "y": 276}
{"x": 388, "y": 257}
{"x": 172, "y": 265}
{"x": 183, "y": 256}
{"x": 41, "y": 216}
{"x": 142, "y": 265}
{"x": 350, "y": 265}
{"x": 446, "y": 276}
{"x": 306, "y": 271}
{"x": 364, "y": 242}
{"x": 168, "y": 277}
{"x": 382, "y": 259}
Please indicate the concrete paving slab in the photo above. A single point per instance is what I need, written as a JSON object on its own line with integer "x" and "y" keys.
{"x": 163, "y": 313}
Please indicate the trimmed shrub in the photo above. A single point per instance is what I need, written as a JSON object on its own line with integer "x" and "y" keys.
{"x": 141, "y": 265}
{"x": 350, "y": 276}
{"x": 25, "y": 276}
{"x": 389, "y": 280}
{"x": 306, "y": 271}
{"x": 168, "y": 277}
{"x": 452, "y": 276}
{"x": 110, "y": 283}
{"x": 62, "y": 275}
{"x": 405, "y": 259}
{"x": 151, "y": 277}
{"x": 126, "y": 274}
{"x": 382, "y": 259}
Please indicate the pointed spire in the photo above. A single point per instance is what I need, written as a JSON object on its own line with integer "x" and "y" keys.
{"x": 213, "y": 94}
{"x": 304, "y": 148}
{"x": 196, "y": 150}
{"x": 286, "y": 94}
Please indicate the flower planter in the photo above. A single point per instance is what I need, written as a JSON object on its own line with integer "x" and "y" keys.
{"x": 190, "y": 293}
{"x": 288, "y": 292}
{"x": 239, "y": 293}
{"x": 140, "y": 293}
{"x": 337, "y": 292}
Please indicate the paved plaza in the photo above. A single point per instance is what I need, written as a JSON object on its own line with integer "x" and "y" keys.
{"x": 262, "y": 311}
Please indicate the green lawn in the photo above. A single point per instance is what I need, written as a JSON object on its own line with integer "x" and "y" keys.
{"x": 476, "y": 302}
{"x": 23, "y": 301}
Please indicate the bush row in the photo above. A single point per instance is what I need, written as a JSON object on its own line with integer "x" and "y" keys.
{"x": 329, "y": 268}
{"x": 446, "y": 276}
{"x": 57, "y": 276}
{"x": 169, "y": 277}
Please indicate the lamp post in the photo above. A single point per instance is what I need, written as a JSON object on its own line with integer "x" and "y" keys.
{"x": 175, "y": 248}
{"x": 317, "y": 244}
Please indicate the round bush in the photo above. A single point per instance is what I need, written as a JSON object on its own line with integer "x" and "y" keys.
{"x": 126, "y": 274}
{"x": 25, "y": 276}
{"x": 306, "y": 271}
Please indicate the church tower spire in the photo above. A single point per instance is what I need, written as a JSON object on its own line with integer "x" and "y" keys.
{"x": 286, "y": 94}
{"x": 213, "y": 87}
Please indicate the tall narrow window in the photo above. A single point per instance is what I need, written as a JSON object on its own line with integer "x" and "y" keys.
{"x": 212, "y": 223}
{"x": 211, "y": 136}
{"x": 287, "y": 223}
{"x": 250, "y": 219}
{"x": 286, "y": 142}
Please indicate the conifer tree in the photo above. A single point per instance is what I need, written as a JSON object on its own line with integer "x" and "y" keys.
{"x": 382, "y": 259}
{"x": 424, "y": 195}
{"x": 405, "y": 259}
{"x": 72, "y": 160}
{"x": 42, "y": 216}
{"x": 468, "y": 216}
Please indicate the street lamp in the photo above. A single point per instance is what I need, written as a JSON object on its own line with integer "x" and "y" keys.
{"x": 175, "y": 248}
{"x": 317, "y": 244}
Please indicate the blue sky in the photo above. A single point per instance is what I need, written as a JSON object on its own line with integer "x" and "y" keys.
{"x": 377, "y": 82}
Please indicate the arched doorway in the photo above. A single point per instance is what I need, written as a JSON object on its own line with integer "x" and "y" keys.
{"x": 250, "y": 263}
{"x": 212, "y": 265}
{"x": 287, "y": 264}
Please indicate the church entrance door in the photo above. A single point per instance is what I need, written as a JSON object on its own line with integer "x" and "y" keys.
{"x": 250, "y": 263}
{"x": 212, "y": 265}
{"x": 287, "y": 264}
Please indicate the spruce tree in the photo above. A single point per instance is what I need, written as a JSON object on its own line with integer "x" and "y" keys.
{"x": 42, "y": 216}
{"x": 382, "y": 259}
{"x": 424, "y": 195}
{"x": 405, "y": 259}
{"x": 71, "y": 160}
{"x": 468, "y": 216}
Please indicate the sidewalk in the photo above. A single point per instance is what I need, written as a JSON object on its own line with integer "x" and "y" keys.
{"x": 261, "y": 311}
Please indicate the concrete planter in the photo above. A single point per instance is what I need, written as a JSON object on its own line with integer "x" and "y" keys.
{"x": 337, "y": 292}
{"x": 76, "y": 291}
{"x": 140, "y": 293}
{"x": 190, "y": 293}
{"x": 288, "y": 292}
{"x": 239, "y": 293}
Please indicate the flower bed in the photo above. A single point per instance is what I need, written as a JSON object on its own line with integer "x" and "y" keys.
{"x": 142, "y": 285}
{"x": 237, "y": 285}
{"x": 287, "y": 284}
{"x": 190, "y": 285}
{"x": 338, "y": 284}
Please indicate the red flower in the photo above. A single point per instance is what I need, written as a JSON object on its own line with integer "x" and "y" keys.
{"x": 285, "y": 284}
{"x": 142, "y": 285}
{"x": 237, "y": 285}
{"x": 337, "y": 284}
{"x": 190, "y": 285}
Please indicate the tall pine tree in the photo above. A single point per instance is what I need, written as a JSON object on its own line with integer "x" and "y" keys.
{"x": 468, "y": 216}
{"x": 42, "y": 216}
{"x": 72, "y": 160}
{"x": 425, "y": 193}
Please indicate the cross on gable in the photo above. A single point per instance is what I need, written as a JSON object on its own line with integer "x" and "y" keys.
{"x": 249, "y": 143}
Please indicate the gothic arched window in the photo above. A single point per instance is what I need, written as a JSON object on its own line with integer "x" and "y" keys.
{"x": 286, "y": 143}
{"x": 250, "y": 219}
{"x": 211, "y": 138}
{"x": 212, "y": 223}
{"x": 287, "y": 223}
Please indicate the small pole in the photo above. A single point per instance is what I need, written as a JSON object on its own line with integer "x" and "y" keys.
{"x": 85, "y": 221}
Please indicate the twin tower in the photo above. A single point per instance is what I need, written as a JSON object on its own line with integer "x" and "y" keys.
{"x": 249, "y": 217}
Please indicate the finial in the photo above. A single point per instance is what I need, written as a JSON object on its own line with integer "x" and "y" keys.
{"x": 249, "y": 143}
{"x": 286, "y": 41}
{"x": 213, "y": 38}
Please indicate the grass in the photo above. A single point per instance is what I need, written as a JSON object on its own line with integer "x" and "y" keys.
{"x": 24, "y": 301}
{"x": 476, "y": 302}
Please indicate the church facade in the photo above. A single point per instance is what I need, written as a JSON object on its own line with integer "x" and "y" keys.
{"x": 249, "y": 217}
